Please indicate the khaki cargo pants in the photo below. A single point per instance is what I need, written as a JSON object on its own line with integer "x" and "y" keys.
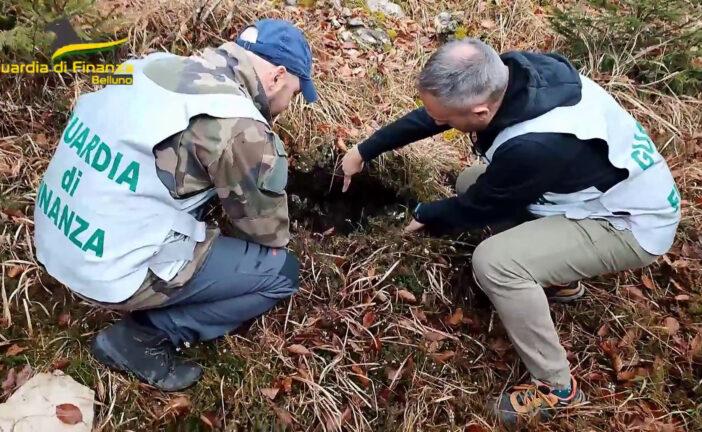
{"x": 512, "y": 268}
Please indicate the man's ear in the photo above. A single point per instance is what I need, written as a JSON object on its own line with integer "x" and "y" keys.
{"x": 279, "y": 75}
{"x": 481, "y": 111}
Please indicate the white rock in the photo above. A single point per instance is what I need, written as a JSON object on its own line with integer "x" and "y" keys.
{"x": 356, "y": 22}
{"x": 372, "y": 37}
{"x": 346, "y": 12}
{"x": 346, "y": 36}
{"x": 290, "y": 2}
{"x": 366, "y": 37}
{"x": 32, "y": 408}
{"x": 445, "y": 23}
{"x": 386, "y": 7}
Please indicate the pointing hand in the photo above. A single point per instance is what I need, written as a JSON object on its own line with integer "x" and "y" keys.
{"x": 352, "y": 163}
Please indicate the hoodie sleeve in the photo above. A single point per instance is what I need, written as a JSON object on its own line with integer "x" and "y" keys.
{"x": 412, "y": 127}
{"x": 522, "y": 170}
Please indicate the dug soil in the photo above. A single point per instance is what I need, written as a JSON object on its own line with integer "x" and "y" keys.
{"x": 317, "y": 203}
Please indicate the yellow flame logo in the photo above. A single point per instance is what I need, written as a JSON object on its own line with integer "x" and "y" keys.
{"x": 68, "y": 43}
{"x": 84, "y": 48}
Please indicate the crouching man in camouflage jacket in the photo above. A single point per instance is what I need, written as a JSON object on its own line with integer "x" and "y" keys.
{"x": 118, "y": 212}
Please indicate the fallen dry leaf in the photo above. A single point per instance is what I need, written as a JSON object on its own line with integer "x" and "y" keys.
{"x": 443, "y": 356}
{"x": 14, "y": 271}
{"x": 368, "y": 319}
{"x": 617, "y": 362}
{"x": 13, "y": 213}
{"x": 64, "y": 320}
{"x": 609, "y": 348}
{"x": 60, "y": 364}
{"x": 69, "y": 414}
{"x": 434, "y": 336}
{"x": 376, "y": 343}
{"x": 284, "y": 416}
{"x": 681, "y": 264}
{"x": 487, "y": 24}
{"x": 299, "y": 350}
{"x": 329, "y": 231}
{"x": 455, "y": 318}
{"x": 179, "y": 405}
{"x": 682, "y": 297}
{"x": 14, "y": 350}
{"x": 648, "y": 282}
{"x": 100, "y": 390}
{"x": 365, "y": 382}
{"x": 336, "y": 422}
{"x": 695, "y": 346}
{"x": 346, "y": 416}
{"x": 603, "y": 331}
{"x": 371, "y": 272}
{"x": 630, "y": 337}
{"x": 677, "y": 285}
{"x": 287, "y": 384}
{"x": 407, "y": 296}
{"x": 635, "y": 293}
{"x": 671, "y": 325}
{"x": 632, "y": 374}
{"x": 499, "y": 345}
{"x": 500, "y": 365}
{"x": 626, "y": 375}
{"x": 595, "y": 376}
{"x": 270, "y": 393}
{"x": 419, "y": 314}
{"x": 476, "y": 428}
{"x": 356, "y": 119}
{"x": 210, "y": 420}
{"x": 41, "y": 140}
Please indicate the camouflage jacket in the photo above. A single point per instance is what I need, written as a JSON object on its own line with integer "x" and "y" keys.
{"x": 242, "y": 159}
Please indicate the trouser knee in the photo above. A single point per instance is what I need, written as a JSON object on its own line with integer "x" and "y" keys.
{"x": 487, "y": 265}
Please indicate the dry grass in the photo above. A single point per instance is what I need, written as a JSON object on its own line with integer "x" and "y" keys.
{"x": 386, "y": 347}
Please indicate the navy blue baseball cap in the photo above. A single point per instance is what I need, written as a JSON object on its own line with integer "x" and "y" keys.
{"x": 283, "y": 44}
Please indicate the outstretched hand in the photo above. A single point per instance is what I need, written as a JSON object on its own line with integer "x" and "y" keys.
{"x": 351, "y": 163}
{"x": 413, "y": 226}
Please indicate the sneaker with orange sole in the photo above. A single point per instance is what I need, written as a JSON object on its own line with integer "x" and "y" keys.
{"x": 565, "y": 293}
{"x": 519, "y": 404}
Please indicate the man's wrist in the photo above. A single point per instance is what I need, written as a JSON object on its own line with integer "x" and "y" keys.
{"x": 415, "y": 213}
{"x": 363, "y": 151}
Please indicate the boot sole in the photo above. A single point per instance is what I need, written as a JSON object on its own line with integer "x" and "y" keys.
{"x": 106, "y": 354}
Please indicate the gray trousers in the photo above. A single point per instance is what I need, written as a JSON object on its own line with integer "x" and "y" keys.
{"x": 514, "y": 266}
{"x": 239, "y": 281}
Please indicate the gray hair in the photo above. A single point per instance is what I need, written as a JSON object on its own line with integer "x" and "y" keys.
{"x": 464, "y": 73}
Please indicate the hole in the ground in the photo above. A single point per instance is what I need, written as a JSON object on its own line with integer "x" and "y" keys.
{"x": 317, "y": 202}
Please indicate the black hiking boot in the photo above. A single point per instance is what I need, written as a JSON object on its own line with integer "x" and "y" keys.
{"x": 147, "y": 353}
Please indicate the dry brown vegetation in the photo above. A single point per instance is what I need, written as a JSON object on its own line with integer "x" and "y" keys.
{"x": 386, "y": 332}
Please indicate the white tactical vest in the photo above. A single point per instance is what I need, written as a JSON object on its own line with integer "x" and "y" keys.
{"x": 102, "y": 217}
{"x": 647, "y": 203}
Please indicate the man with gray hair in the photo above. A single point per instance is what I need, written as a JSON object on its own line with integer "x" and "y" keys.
{"x": 599, "y": 196}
